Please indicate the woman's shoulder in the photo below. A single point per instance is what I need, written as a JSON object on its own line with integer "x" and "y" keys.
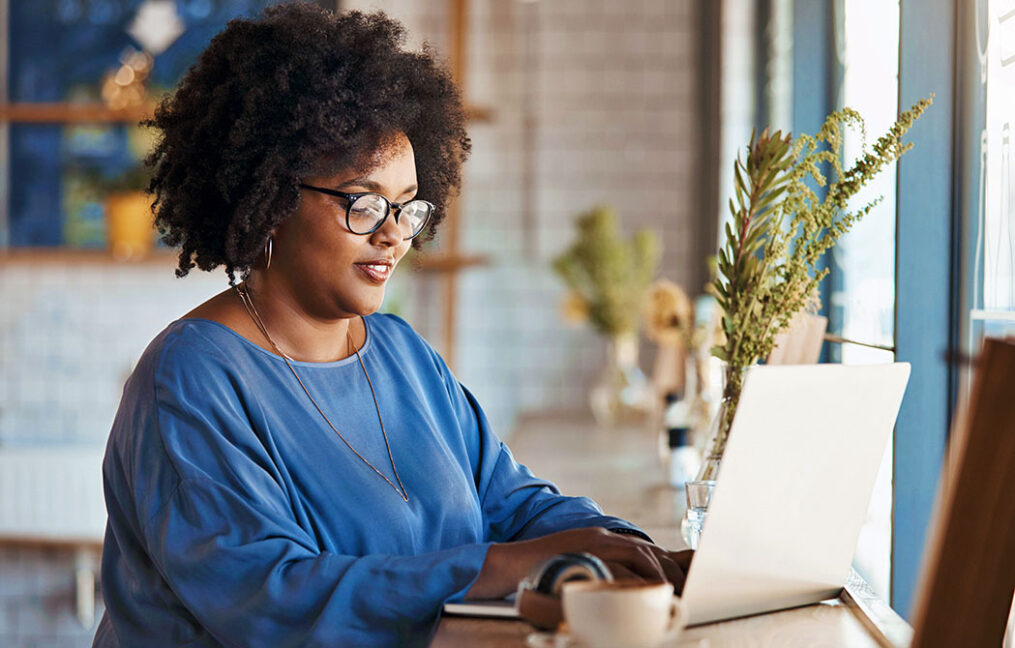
{"x": 184, "y": 371}
{"x": 192, "y": 349}
{"x": 391, "y": 325}
{"x": 397, "y": 336}
{"x": 192, "y": 336}
{"x": 408, "y": 352}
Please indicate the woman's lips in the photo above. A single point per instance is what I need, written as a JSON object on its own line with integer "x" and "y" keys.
{"x": 376, "y": 272}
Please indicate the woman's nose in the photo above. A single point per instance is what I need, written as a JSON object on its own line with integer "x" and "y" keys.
{"x": 389, "y": 233}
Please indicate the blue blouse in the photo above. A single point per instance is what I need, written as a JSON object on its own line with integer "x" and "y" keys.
{"x": 238, "y": 517}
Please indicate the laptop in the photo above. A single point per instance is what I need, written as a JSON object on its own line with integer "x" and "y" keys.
{"x": 794, "y": 487}
{"x": 793, "y": 490}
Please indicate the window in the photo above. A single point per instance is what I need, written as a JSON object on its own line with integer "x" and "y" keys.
{"x": 991, "y": 271}
{"x": 863, "y": 297}
{"x": 58, "y": 54}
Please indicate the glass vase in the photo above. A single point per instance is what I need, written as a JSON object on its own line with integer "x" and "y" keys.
{"x": 697, "y": 507}
{"x": 622, "y": 392}
{"x": 719, "y": 428}
{"x": 703, "y": 396}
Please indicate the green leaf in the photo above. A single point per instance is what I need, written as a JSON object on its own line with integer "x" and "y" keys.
{"x": 739, "y": 179}
{"x": 724, "y": 262}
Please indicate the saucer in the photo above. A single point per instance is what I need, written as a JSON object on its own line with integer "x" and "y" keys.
{"x": 562, "y": 639}
{"x": 550, "y": 640}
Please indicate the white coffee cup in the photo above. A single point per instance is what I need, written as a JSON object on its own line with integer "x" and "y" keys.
{"x": 621, "y": 613}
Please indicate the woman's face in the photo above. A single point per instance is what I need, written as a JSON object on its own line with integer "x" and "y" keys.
{"x": 329, "y": 271}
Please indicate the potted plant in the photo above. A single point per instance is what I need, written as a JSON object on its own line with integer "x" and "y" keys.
{"x": 608, "y": 279}
{"x": 768, "y": 267}
{"x": 130, "y": 227}
{"x": 130, "y": 230}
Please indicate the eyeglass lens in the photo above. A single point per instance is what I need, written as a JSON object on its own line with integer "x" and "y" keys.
{"x": 369, "y": 209}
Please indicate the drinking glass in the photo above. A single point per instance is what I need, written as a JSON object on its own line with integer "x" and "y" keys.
{"x": 699, "y": 494}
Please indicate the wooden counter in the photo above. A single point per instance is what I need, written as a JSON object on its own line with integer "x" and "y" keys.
{"x": 620, "y": 470}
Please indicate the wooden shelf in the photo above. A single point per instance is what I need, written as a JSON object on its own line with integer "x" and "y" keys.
{"x": 71, "y": 113}
{"x": 82, "y": 256}
{"x": 479, "y": 113}
{"x": 440, "y": 262}
{"x": 50, "y": 543}
{"x": 95, "y": 113}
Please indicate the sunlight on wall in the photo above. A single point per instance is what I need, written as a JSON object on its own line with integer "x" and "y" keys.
{"x": 866, "y": 256}
{"x": 992, "y": 301}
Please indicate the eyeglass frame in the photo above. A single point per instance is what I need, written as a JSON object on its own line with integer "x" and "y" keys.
{"x": 350, "y": 198}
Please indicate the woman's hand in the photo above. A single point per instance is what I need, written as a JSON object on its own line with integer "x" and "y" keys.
{"x": 679, "y": 562}
{"x": 628, "y": 557}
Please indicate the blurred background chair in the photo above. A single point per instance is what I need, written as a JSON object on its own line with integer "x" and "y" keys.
{"x": 965, "y": 595}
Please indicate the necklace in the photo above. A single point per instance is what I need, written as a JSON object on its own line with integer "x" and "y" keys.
{"x": 248, "y": 304}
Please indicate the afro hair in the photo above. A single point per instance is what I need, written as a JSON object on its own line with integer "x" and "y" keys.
{"x": 298, "y": 91}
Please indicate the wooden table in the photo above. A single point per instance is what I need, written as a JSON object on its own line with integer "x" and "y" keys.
{"x": 619, "y": 469}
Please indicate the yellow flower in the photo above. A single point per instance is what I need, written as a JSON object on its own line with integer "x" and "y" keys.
{"x": 669, "y": 314}
{"x": 574, "y": 309}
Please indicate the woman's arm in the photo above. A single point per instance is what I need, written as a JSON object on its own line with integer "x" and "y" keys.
{"x": 516, "y": 504}
{"x": 251, "y": 578}
{"x": 530, "y": 521}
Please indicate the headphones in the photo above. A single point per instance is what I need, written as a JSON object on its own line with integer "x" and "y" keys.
{"x": 538, "y": 597}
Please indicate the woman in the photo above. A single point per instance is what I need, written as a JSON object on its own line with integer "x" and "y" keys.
{"x": 288, "y": 468}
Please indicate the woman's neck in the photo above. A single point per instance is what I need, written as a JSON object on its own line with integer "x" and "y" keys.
{"x": 293, "y": 327}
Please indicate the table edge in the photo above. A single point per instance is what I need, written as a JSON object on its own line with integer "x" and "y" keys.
{"x": 882, "y": 622}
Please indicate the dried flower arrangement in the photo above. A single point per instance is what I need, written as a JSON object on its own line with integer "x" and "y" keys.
{"x": 768, "y": 267}
{"x": 608, "y": 276}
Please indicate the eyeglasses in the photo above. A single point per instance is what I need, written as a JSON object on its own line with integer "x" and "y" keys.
{"x": 365, "y": 213}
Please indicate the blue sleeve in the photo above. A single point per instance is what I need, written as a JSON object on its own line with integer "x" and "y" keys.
{"x": 516, "y": 504}
{"x": 227, "y": 543}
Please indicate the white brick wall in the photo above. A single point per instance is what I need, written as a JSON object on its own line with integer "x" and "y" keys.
{"x": 70, "y": 336}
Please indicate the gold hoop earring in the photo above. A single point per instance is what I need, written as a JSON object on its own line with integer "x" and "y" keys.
{"x": 267, "y": 254}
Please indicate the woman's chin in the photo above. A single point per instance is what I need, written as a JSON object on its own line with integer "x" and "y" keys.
{"x": 369, "y": 306}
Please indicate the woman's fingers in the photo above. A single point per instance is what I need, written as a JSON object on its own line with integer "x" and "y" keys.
{"x": 638, "y": 556}
{"x": 683, "y": 558}
{"x": 674, "y": 564}
{"x": 620, "y": 572}
{"x": 674, "y": 572}
{"x": 675, "y": 561}
{"x": 653, "y": 568}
